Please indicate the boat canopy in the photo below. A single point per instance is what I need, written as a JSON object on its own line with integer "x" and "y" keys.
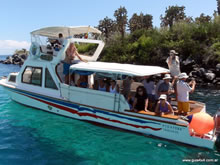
{"x": 116, "y": 68}
{"x": 67, "y": 31}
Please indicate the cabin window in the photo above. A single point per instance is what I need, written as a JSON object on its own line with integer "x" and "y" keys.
{"x": 32, "y": 75}
{"x": 49, "y": 82}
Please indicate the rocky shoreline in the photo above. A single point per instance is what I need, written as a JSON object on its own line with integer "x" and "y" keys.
{"x": 204, "y": 75}
{"x": 17, "y": 58}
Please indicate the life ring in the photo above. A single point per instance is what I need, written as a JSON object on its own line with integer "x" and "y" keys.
{"x": 35, "y": 49}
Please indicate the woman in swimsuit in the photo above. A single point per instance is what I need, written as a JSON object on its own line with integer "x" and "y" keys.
{"x": 163, "y": 106}
{"x": 71, "y": 52}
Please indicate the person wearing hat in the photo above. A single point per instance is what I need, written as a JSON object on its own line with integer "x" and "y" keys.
{"x": 183, "y": 90}
{"x": 163, "y": 106}
{"x": 173, "y": 63}
{"x": 166, "y": 87}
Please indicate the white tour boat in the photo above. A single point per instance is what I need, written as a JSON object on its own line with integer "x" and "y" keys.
{"x": 40, "y": 84}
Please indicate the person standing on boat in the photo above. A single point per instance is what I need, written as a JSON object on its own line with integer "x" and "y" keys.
{"x": 163, "y": 106}
{"x": 71, "y": 52}
{"x": 114, "y": 88}
{"x": 159, "y": 81}
{"x": 127, "y": 86}
{"x": 166, "y": 87}
{"x": 60, "y": 40}
{"x": 183, "y": 89}
{"x": 140, "y": 100}
{"x": 173, "y": 63}
{"x": 149, "y": 85}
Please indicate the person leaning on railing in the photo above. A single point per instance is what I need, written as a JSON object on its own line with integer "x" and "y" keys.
{"x": 71, "y": 53}
{"x": 163, "y": 106}
{"x": 140, "y": 100}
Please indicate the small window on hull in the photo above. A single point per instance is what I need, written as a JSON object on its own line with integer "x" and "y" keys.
{"x": 12, "y": 78}
{"x": 49, "y": 82}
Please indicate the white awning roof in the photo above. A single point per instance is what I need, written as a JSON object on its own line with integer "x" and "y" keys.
{"x": 65, "y": 30}
{"x": 116, "y": 68}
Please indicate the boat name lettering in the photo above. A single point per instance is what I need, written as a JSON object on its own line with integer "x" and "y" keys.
{"x": 171, "y": 128}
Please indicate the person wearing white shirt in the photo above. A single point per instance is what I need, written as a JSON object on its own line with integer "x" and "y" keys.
{"x": 150, "y": 86}
{"x": 173, "y": 63}
{"x": 183, "y": 90}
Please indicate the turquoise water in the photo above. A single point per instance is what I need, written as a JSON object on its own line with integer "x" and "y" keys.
{"x": 29, "y": 136}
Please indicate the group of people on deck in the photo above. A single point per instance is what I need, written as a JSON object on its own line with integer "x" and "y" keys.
{"x": 152, "y": 95}
{"x": 156, "y": 96}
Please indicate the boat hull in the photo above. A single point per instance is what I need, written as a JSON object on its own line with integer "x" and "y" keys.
{"x": 148, "y": 126}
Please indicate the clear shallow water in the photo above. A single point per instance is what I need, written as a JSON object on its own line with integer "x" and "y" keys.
{"x": 30, "y": 136}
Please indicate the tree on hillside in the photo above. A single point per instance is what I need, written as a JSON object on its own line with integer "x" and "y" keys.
{"x": 218, "y": 6}
{"x": 140, "y": 22}
{"x": 106, "y": 26}
{"x": 121, "y": 20}
{"x": 172, "y": 14}
{"x": 203, "y": 18}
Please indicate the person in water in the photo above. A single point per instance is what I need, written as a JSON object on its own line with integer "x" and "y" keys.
{"x": 163, "y": 106}
{"x": 71, "y": 53}
{"x": 140, "y": 100}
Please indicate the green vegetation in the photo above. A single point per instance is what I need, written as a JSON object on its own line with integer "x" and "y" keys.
{"x": 86, "y": 48}
{"x": 196, "y": 39}
{"x": 22, "y": 51}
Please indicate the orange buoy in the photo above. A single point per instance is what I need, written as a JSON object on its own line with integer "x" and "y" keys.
{"x": 202, "y": 123}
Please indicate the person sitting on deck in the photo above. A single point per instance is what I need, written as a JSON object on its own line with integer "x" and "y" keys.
{"x": 163, "y": 106}
{"x": 71, "y": 52}
{"x": 183, "y": 90}
{"x": 102, "y": 86}
{"x": 114, "y": 88}
{"x": 140, "y": 100}
{"x": 82, "y": 81}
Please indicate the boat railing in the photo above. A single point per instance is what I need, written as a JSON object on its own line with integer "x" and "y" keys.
{"x": 95, "y": 98}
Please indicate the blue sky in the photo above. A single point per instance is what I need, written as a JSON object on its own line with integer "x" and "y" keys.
{"x": 20, "y": 17}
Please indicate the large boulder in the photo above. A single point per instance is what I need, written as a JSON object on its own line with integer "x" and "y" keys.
{"x": 201, "y": 72}
{"x": 210, "y": 76}
{"x": 23, "y": 56}
{"x": 21, "y": 62}
{"x": 187, "y": 65}
{"x": 16, "y": 59}
{"x": 8, "y": 60}
{"x": 217, "y": 70}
